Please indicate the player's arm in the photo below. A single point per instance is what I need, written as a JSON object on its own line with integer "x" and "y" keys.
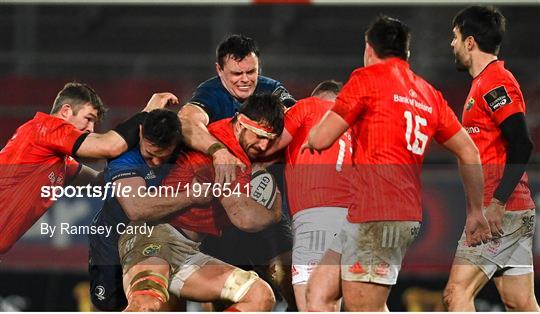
{"x": 196, "y": 135}
{"x": 470, "y": 168}
{"x": 248, "y": 215}
{"x": 280, "y": 143}
{"x": 518, "y": 152}
{"x": 326, "y": 132}
{"x": 138, "y": 206}
{"x": 123, "y": 137}
{"x": 87, "y": 175}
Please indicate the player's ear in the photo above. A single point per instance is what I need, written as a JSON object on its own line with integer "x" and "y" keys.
{"x": 470, "y": 42}
{"x": 219, "y": 70}
{"x": 65, "y": 111}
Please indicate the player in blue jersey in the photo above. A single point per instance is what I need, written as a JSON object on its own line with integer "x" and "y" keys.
{"x": 237, "y": 67}
{"x": 138, "y": 168}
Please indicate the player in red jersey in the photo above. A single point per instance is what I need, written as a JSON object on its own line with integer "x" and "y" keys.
{"x": 393, "y": 113}
{"x": 318, "y": 191}
{"x": 39, "y": 154}
{"x": 172, "y": 251}
{"x": 494, "y": 117}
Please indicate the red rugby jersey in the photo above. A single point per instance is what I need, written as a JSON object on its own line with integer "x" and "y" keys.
{"x": 37, "y": 155}
{"x": 393, "y": 114}
{"x": 194, "y": 164}
{"x": 494, "y": 96}
{"x": 315, "y": 180}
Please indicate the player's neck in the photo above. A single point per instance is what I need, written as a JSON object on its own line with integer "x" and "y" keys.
{"x": 479, "y": 62}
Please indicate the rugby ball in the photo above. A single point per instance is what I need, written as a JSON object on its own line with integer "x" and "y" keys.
{"x": 263, "y": 188}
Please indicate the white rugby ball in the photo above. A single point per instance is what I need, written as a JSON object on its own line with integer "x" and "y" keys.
{"x": 263, "y": 188}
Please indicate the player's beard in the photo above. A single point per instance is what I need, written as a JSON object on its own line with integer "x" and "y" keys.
{"x": 248, "y": 148}
{"x": 460, "y": 66}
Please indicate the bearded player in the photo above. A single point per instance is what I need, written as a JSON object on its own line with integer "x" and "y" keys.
{"x": 393, "y": 113}
{"x": 169, "y": 261}
{"x": 494, "y": 116}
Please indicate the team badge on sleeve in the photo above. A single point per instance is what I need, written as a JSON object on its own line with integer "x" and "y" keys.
{"x": 497, "y": 98}
{"x": 469, "y": 105}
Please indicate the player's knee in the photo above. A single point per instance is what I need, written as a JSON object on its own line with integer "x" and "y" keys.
{"x": 523, "y": 302}
{"x": 148, "y": 290}
{"x": 316, "y": 301}
{"x": 451, "y": 294}
{"x": 263, "y": 295}
{"x": 246, "y": 287}
{"x": 143, "y": 303}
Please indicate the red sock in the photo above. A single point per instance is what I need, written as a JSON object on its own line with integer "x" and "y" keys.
{"x": 232, "y": 309}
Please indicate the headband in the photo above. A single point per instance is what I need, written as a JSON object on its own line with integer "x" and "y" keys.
{"x": 255, "y": 127}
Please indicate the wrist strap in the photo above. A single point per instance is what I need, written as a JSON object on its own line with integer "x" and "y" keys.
{"x": 214, "y": 148}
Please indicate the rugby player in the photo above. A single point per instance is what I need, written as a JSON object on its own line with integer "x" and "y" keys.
{"x": 169, "y": 261}
{"x": 39, "y": 154}
{"x": 138, "y": 169}
{"x": 393, "y": 113}
{"x": 319, "y": 192}
{"x": 494, "y": 116}
{"x": 238, "y": 77}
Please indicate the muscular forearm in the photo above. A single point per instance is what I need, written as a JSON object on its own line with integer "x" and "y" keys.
{"x": 247, "y": 215}
{"x": 197, "y": 136}
{"x": 153, "y": 208}
{"x": 473, "y": 183}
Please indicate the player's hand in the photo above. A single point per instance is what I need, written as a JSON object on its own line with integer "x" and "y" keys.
{"x": 477, "y": 229}
{"x": 225, "y": 166}
{"x": 494, "y": 216}
{"x": 160, "y": 101}
{"x": 306, "y": 145}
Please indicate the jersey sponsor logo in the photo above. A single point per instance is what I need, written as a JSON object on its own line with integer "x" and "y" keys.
{"x": 472, "y": 129}
{"x": 413, "y": 93}
{"x": 497, "y": 98}
{"x": 412, "y": 102}
{"x": 469, "y": 104}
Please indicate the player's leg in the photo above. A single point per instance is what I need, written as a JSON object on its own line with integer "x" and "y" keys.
{"x": 464, "y": 283}
{"x": 315, "y": 230}
{"x": 324, "y": 286}
{"x": 371, "y": 258}
{"x": 270, "y": 251}
{"x": 146, "y": 285}
{"x": 517, "y": 292}
{"x": 516, "y": 282}
{"x": 148, "y": 262}
{"x": 216, "y": 280}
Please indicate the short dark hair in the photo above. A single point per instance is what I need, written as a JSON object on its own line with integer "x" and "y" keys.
{"x": 485, "y": 23}
{"x": 389, "y": 37}
{"x": 162, "y": 128}
{"x": 238, "y": 46}
{"x": 331, "y": 86}
{"x": 264, "y": 108}
{"x": 77, "y": 95}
